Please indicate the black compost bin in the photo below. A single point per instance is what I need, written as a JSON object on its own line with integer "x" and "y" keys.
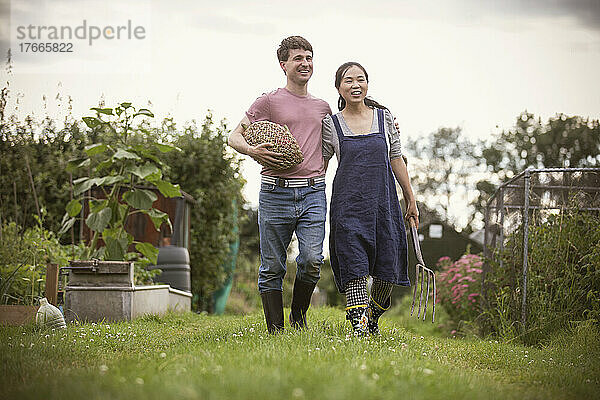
{"x": 174, "y": 261}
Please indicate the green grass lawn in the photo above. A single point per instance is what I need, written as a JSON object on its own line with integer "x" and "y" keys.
{"x": 206, "y": 357}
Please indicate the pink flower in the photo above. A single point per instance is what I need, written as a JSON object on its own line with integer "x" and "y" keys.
{"x": 455, "y": 290}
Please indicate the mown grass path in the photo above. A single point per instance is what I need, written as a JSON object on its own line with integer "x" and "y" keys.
{"x": 205, "y": 357}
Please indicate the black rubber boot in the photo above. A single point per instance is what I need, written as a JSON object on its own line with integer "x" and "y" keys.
{"x": 374, "y": 312}
{"x": 273, "y": 307}
{"x": 359, "y": 320}
{"x": 300, "y": 303}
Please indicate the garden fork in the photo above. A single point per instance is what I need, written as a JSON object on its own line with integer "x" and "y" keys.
{"x": 423, "y": 271}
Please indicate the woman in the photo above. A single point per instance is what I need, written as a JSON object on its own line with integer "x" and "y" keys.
{"x": 367, "y": 235}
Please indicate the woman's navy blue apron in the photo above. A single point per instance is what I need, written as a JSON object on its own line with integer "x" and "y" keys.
{"x": 367, "y": 235}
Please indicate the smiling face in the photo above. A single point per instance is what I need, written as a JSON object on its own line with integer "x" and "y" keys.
{"x": 299, "y": 66}
{"x": 353, "y": 85}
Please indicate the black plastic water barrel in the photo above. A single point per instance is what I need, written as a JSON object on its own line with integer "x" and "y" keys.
{"x": 175, "y": 265}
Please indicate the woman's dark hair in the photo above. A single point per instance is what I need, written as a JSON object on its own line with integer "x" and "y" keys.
{"x": 338, "y": 81}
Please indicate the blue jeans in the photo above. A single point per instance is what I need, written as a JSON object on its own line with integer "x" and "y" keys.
{"x": 281, "y": 211}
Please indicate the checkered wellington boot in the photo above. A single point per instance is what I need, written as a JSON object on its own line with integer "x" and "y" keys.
{"x": 358, "y": 318}
{"x": 374, "y": 311}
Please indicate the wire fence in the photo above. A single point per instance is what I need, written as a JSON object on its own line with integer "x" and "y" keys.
{"x": 529, "y": 199}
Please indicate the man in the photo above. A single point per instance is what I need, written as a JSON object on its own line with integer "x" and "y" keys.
{"x": 291, "y": 200}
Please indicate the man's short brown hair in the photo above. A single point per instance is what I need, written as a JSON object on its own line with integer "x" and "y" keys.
{"x": 290, "y": 43}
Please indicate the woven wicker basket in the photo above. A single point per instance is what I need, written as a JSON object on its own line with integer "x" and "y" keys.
{"x": 280, "y": 137}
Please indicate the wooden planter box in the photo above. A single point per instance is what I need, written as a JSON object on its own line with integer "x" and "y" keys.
{"x": 17, "y": 315}
{"x": 23, "y": 315}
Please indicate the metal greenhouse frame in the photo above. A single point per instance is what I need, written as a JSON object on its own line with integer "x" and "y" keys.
{"x": 529, "y": 198}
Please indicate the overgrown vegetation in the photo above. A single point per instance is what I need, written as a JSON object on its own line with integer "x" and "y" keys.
{"x": 563, "y": 279}
{"x": 34, "y": 180}
{"x": 38, "y": 150}
{"x": 23, "y": 259}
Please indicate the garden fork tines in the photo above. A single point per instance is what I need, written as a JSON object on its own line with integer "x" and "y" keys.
{"x": 423, "y": 271}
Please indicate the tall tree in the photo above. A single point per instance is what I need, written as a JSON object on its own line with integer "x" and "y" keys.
{"x": 440, "y": 167}
{"x": 563, "y": 141}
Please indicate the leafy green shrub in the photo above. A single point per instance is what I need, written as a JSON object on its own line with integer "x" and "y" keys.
{"x": 207, "y": 170}
{"x": 46, "y": 149}
{"x": 23, "y": 260}
{"x": 118, "y": 166}
{"x": 563, "y": 279}
{"x": 459, "y": 287}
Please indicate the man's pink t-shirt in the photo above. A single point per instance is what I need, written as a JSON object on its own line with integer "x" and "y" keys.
{"x": 303, "y": 115}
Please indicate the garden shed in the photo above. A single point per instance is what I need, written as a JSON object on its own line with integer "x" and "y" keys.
{"x": 439, "y": 239}
{"x": 141, "y": 227}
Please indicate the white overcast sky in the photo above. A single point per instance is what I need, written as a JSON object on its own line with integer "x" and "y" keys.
{"x": 470, "y": 63}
